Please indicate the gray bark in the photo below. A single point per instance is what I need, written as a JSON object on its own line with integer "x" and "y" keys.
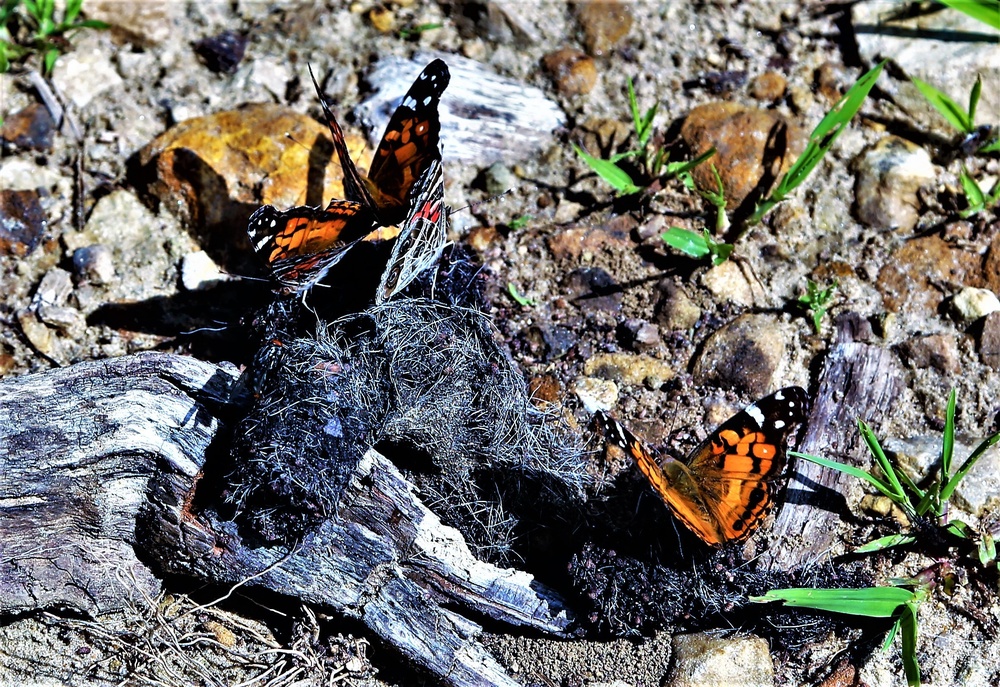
{"x": 98, "y": 466}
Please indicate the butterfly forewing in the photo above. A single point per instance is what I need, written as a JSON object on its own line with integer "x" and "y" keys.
{"x": 725, "y": 490}
{"x": 300, "y": 245}
{"x": 409, "y": 145}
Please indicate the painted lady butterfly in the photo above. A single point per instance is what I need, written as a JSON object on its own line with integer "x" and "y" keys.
{"x": 723, "y": 491}
{"x": 301, "y": 244}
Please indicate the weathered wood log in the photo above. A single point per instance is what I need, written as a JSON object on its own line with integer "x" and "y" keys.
{"x": 858, "y": 379}
{"x": 100, "y": 460}
{"x": 485, "y": 117}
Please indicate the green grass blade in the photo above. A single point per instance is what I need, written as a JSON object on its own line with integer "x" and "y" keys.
{"x": 908, "y": 633}
{"x": 948, "y": 108}
{"x": 960, "y": 529}
{"x": 883, "y": 487}
{"x": 49, "y": 59}
{"x": 948, "y": 437}
{"x": 687, "y": 242}
{"x": 910, "y": 484}
{"x": 91, "y": 24}
{"x": 72, "y": 10}
{"x": 887, "y": 468}
{"x": 614, "y": 175}
{"x": 949, "y": 488}
{"x": 871, "y": 602}
{"x": 887, "y": 542}
{"x": 991, "y": 147}
{"x": 977, "y": 90}
{"x": 820, "y": 141}
{"x": 678, "y": 168}
{"x": 973, "y": 194}
{"x": 986, "y": 11}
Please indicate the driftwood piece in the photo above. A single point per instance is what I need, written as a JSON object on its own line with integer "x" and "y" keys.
{"x": 100, "y": 460}
{"x": 485, "y": 117}
{"x": 858, "y": 379}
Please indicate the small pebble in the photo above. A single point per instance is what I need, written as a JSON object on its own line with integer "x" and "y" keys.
{"x": 572, "y": 71}
{"x": 94, "y": 263}
{"x": 888, "y": 177}
{"x": 382, "y": 18}
{"x": 499, "y": 179}
{"x": 604, "y": 24}
{"x": 596, "y": 394}
{"x": 199, "y": 271}
{"x": 223, "y": 52}
{"x": 768, "y": 87}
{"x": 971, "y": 303}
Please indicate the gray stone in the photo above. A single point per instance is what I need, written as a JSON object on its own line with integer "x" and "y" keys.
{"x": 744, "y": 355}
{"x": 946, "y": 49}
{"x": 888, "y": 177}
{"x": 704, "y": 660}
{"x": 81, "y": 75}
{"x": 499, "y": 179}
{"x": 989, "y": 341}
{"x": 198, "y": 270}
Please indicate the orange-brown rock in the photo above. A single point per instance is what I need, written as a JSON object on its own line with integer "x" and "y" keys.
{"x": 572, "y": 71}
{"x": 604, "y": 24}
{"x": 768, "y": 87}
{"x": 753, "y": 146}
{"x": 216, "y": 170}
{"x": 915, "y": 273}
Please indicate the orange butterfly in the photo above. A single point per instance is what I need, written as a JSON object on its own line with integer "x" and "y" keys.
{"x": 723, "y": 491}
{"x": 301, "y": 244}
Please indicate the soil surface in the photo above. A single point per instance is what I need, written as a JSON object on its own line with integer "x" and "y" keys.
{"x": 591, "y": 274}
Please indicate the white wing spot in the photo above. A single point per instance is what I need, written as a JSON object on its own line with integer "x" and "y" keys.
{"x": 754, "y": 412}
{"x": 427, "y": 100}
{"x": 274, "y": 223}
{"x": 778, "y": 424}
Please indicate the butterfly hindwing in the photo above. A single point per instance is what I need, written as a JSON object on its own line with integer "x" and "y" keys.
{"x": 422, "y": 238}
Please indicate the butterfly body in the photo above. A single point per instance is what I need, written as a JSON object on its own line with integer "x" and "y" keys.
{"x": 725, "y": 489}
{"x": 301, "y": 244}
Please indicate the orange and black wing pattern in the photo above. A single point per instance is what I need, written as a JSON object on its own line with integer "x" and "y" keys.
{"x": 410, "y": 144}
{"x": 300, "y": 245}
{"x": 726, "y": 488}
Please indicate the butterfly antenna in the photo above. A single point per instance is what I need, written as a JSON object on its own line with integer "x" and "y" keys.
{"x": 474, "y": 206}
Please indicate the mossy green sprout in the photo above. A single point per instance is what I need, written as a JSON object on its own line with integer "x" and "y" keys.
{"x": 816, "y": 301}
{"x": 519, "y": 222}
{"x": 521, "y": 300}
{"x": 653, "y": 161}
{"x": 30, "y": 27}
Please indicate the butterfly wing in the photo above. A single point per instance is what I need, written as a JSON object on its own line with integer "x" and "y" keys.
{"x": 354, "y": 186}
{"x": 423, "y": 236}
{"x": 409, "y": 145}
{"x": 672, "y": 481}
{"x": 725, "y": 491}
{"x": 735, "y": 466}
{"x": 301, "y": 244}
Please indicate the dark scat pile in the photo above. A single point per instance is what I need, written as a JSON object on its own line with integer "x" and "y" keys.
{"x": 425, "y": 382}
